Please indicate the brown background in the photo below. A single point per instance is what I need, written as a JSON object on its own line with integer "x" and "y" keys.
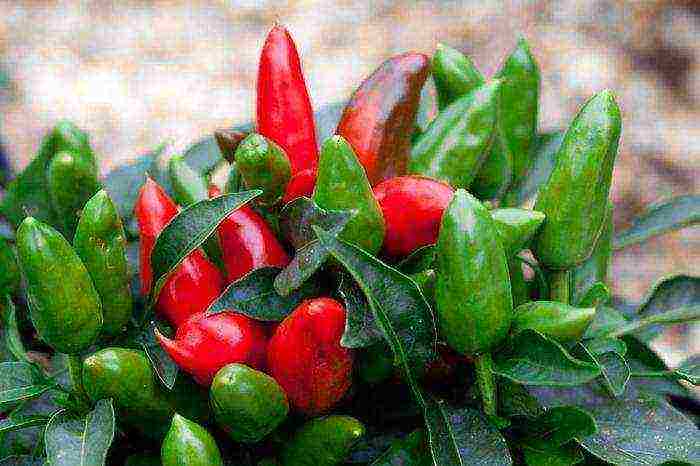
{"x": 136, "y": 74}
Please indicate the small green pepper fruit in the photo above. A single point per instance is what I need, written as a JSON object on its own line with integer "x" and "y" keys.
{"x": 100, "y": 242}
{"x": 343, "y": 185}
{"x": 72, "y": 179}
{"x": 454, "y": 146}
{"x": 472, "y": 293}
{"x": 188, "y": 443}
{"x": 375, "y": 364}
{"x": 9, "y": 271}
{"x": 594, "y": 270}
{"x": 64, "y": 305}
{"x": 557, "y": 320}
{"x": 496, "y": 173}
{"x": 247, "y": 404}
{"x": 516, "y": 227}
{"x": 263, "y": 165}
{"x": 455, "y": 75}
{"x": 324, "y": 441}
{"x": 575, "y": 198}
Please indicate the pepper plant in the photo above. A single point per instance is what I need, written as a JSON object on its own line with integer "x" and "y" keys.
{"x": 428, "y": 287}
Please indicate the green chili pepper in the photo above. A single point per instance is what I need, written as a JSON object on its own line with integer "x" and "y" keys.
{"x": 456, "y": 143}
{"x": 9, "y": 271}
{"x": 594, "y": 269}
{"x": 575, "y": 197}
{"x": 189, "y": 443}
{"x": 263, "y": 165}
{"x": 455, "y": 75}
{"x": 322, "y": 441}
{"x": 247, "y": 403}
{"x": 516, "y": 227}
{"x": 496, "y": 173}
{"x": 472, "y": 293}
{"x": 555, "y": 319}
{"x": 64, "y": 305}
{"x": 342, "y": 185}
{"x": 72, "y": 180}
{"x": 100, "y": 242}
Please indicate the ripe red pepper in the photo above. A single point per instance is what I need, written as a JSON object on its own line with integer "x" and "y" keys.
{"x": 412, "y": 208}
{"x": 206, "y": 343}
{"x": 195, "y": 283}
{"x": 379, "y": 119}
{"x": 284, "y": 112}
{"x": 247, "y": 242}
{"x": 306, "y": 359}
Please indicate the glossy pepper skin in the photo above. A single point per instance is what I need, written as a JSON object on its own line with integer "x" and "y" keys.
{"x": 189, "y": 443}
{"x": 575, "y": 197}
{"x": 555, "y": 319}
{"x": 342, "y": 185}
{"x": 516, "y": 227}
{"x": 306, "y": 359}
{"x": 454, "y": 73}
{"x": 412, "y": 207}
{"x": 100, "y": 242}
{"x": 379, "y": 118}
{"x": 594, "y": 269}
{"x": 263, "y": 165}
{"x": 195, "y": 283}
{"x": 472, "y": 293}
{"x": 284, "y": 112}
{"x": 247, "y": 404}
{"x": 64, "y": 305}
{"x": 324, "y": 441}
{"x": 9, "y": 270}
{"x": 248, "y": 242}
{"x": 206, "y": 343}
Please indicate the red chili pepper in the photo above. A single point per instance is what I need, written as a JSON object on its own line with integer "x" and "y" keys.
{"x": 206, "y": 343}
{"x": 195, "y": 283}
{"x": 379, "y": 119}
{"x": 306, "y": 359}
{"x": 284, "y": 112}
{"x": 412, "y": 208}
{"x": 247, "y": 242}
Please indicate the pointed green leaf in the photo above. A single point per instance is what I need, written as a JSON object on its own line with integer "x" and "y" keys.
{"x": 20, "y": 381}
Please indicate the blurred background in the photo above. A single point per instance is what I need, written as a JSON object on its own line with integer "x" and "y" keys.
{"x": 138, "y": 73}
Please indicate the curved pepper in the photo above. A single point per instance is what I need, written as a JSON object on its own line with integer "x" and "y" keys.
{"x": 575, "y": 197}
{"x": 9, "y": 270}
{"x": 456, "y": 143}
{"x": 379, "y": 118}
{"x": 306, "y": 359}
{"x": 263, "y": 165}
{"x": 342, "y": 185}
{"x": 72, "y": 180}
{"x": 558, "y": 320}
{"x": 412, "y": 207}
{"x": 472, "y": 293}
{"x": 324, "y": 441}
{"x": 516, "y": 227}
{"x": 189, "y": 443}
{"x": 64, "y": 305}
{"x": 594, "y": 269}
{"x": 284, "y": 112}
{"x": 248, "y": 242}
{"x": 100, "y": 242}
{"x": 247, "y": 404}
{"x": 195, "y": 283}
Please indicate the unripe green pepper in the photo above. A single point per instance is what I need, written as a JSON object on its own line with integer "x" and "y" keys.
{"x": 575, "y": 198}
{"x": 454, "y": 73}
{"x": 9, "y": 271}
{"x": 472, "y": 293}
{"x": 100, "y": 242}
{"x": 516, "y": 227}
{"x": 324, "y": 441}
{"x": 72, "y": 179}
{"x": 263, "y": 165}
{"x": 595, "y": 268}
{"x": 342, "y": 185}
{"x": 189, "y": 443}
{"x": 454, "y": 146}
{"x": 64, "y": 305}
{"x": 248, "y": 404}
{"x": 496, "y": 173}
{"x": 557, "y": 320}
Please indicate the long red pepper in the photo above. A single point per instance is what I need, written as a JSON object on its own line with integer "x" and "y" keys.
{"x": 247, "y": 242}
{"x": 195, "y": 283}
{"x": 284, "y": 112}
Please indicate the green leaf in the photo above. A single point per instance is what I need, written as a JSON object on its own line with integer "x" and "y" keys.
{"x": 13, "y": 339}
{"x": 80, "y": 441}
{"x": 613, "y": 367}
{"x": 298, "y": 216}
{"x": 20, "y": 381}
{"x": 419, "y": 260}
{"x": 188, "y": 230}
{"x": 597, "y": 295}
{"x": 664, "y": 217}
{"x": 361, "y": 329}
{"x": 642, "y": 358}
{"x": 254, "y": 295}
{"x": 19, "y": 422}
{"x": 560, "y": 425}
{"x": 606, "y": 320}
{"x": 163, "y": 365}
{"x": 680, "y": 315}
{"x": 533, "y": 359}
{"x": 605, "y": 345}
{"x": 306, "y": 262}
{"x": 22, "y": 460}
{"x": 689, "y": 370}
{"x": 550, "y": 455}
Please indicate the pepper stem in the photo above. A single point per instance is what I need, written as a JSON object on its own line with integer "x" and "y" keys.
{"x": 560, "y": 286}
{"x": 487, "y": 383}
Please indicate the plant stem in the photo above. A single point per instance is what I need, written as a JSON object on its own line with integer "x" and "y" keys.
{"x": 559, "y": 286}
{"x": 75, "y": 371}
{"x": 487, "y": 383}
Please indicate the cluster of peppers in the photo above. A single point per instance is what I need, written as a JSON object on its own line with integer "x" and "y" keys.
{"x": 409, "y": 191}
